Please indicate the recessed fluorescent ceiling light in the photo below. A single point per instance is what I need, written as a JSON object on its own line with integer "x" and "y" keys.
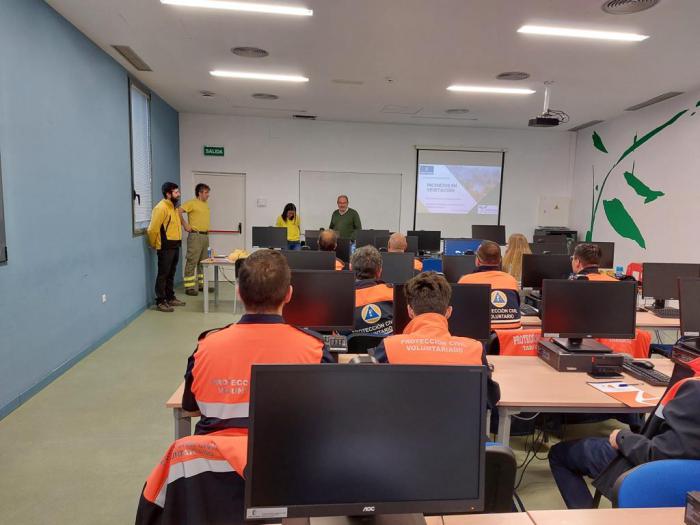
{"x": 581, "y": 33}
{"x": 243, "y": 6}
{"x": 485, "y": 89}
{"x": 258, "y": 76}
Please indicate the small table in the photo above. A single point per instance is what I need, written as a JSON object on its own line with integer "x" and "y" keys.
{"x": 214, "y": 262}
{"x": 528, "y": 384}
{"x": 669, "y": 516}
{"x": 181, "y": 417}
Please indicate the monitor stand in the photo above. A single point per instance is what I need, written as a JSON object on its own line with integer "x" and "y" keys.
{"x": 577, "y": 345}
{"x": 375, "y": 519}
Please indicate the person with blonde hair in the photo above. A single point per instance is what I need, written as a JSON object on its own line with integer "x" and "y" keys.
{"x": 513, "y": 259}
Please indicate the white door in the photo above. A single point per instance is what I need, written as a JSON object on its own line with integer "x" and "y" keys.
{"x": 227, "y": 205}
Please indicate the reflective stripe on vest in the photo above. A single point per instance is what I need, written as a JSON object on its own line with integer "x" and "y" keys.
{"x": 518, "y": 342}
{"x": 223, "y": 410}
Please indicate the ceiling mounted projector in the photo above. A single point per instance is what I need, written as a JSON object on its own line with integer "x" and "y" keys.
{"x": 549, "y": 118}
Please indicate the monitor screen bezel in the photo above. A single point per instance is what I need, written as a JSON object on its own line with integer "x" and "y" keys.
{"x": 423, "y": 235}
{"x": 593, "y": 335}
{"x": 645, "y": 282}
{"x": 377, "y": 507}
{"x": 342, "y": 274}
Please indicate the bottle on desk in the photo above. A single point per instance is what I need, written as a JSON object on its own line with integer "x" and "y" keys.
{"x": 209, "y": 253}
{"x": 619, "y": 272}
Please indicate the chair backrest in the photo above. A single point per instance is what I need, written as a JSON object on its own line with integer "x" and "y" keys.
{"x": 360, "y": 344}
{"x": 638, "y": 347}
{"x": 635, "y": 270}
{"x": 499, "y": 481}
{"x": 662, "y": 483}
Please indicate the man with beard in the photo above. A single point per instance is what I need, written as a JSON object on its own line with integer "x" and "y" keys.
{"x": 165, "y": 236}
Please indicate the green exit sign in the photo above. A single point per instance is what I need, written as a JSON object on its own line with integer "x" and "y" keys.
{"x": 213, "y": 151}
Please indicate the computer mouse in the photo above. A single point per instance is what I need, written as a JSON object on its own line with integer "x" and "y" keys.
{"x": 644, "y": 364}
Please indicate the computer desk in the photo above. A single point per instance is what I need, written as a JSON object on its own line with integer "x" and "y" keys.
{"x": 668, "y": 516}
{"x": 528, "y": 384}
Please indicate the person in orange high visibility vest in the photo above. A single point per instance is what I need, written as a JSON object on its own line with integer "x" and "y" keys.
{"x": 586, "y": 263}
{"x": 328, "y": 242}
{"x": 505, "y": 297}
{"x": 673, "y": 432}
{"x": 397, "y": 243}
{"x": 217, "y": 380}
{"x": 374, "y": 299}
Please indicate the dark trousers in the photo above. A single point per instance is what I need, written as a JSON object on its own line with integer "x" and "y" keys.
{"x": 570, "y": 461}
{"x": 167, "y": 263}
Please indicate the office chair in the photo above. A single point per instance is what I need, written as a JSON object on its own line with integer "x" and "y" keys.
{"x": 360, "y": 344}
{"x": 662, "y": 483}
{"x": 500, "y": 471}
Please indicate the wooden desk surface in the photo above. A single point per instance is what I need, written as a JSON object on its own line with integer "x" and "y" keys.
{"x": 644, "y": 320}
{"x": 529, "y": 381}
{"x": 514, "y": 518}
{"x": 220, "y": 261}
{"x": 671, "y": 516}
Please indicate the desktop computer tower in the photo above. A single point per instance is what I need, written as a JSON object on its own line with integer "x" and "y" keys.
{"x": 563, "y": 361}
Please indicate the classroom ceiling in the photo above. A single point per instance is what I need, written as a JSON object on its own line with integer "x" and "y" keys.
{"x": 395, "y": 58}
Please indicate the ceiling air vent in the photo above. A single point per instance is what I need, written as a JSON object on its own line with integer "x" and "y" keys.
{"x": 585, "y": 125}
{"x": 627, "y": 7}
{"x": 131, "y": 57}
{"x": 304, "y": 117}
{"x": 513, "y": 75}
{"x": 249, "y": 52}
{"x": 655, "y": 100}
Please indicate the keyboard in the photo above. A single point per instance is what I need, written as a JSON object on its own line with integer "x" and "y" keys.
{"x": 336, "y": 343}
{"x": 529, "y": 310}
{"x": 651, "y": 377}
{"x": 667, "y": 313}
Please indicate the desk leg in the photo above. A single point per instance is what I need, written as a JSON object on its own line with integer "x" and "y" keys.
{"x": 216, "y": 285}
{"x": 503, "y": 436}
{"x": 183, "y": 424}
{"x": 206, "y": 291}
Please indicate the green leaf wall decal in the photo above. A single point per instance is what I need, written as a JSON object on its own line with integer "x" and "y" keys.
{"x": 642, "y": 189}
{"x": 622, "y": 222}
{"x": 639, "y": 142}
{"x": 598, "y": 142}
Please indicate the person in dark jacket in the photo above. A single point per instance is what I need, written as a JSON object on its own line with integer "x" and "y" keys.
{"x": 673, "y": 432}
{"x": 374, "y": 299}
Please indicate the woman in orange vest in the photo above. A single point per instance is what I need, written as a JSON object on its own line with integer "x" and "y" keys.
{"x": 586, "y": 263}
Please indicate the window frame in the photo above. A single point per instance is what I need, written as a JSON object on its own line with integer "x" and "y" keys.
{"x": 132, "y": 82}
{"x": 3, "y": 238}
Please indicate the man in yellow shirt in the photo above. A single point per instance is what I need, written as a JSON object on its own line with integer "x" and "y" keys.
{"x": 197, "y": 210}
{"x": 165, "y": 236}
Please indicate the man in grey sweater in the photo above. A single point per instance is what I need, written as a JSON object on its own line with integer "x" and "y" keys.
{"x": 345, "y": 220}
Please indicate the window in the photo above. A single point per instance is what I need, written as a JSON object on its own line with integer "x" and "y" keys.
{"x": 3, "y": 244}
{"x": 140, "y": 116}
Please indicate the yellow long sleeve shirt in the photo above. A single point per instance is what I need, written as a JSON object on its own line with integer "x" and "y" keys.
{"x": 164, "y": 214}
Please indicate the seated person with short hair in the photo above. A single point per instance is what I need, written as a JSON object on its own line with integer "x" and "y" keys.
{"x": 586, "y": 263}
{"x": 328, "y": 242}
{"x": 398, "y": 244}
{"x": 217, "y": 380}
{"x": 505, "y": 296}
{"x": 374, "y": 299}
{"x": 673, "y": 432}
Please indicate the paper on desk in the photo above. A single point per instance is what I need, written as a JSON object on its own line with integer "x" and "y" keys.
{"x": 629, "y": 395}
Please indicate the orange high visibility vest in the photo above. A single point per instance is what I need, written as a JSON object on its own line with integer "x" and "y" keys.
{"x": 600, "y": 277}
{"x": 418, "y": 265}
{"x": 426, "y": 340}
{"x": 339, "y": 265}
{"x": 518, "y": 342}
{"x": 637, "y": 347}
{"x": 505, "y": 298}
{"x": 374, "y": 308}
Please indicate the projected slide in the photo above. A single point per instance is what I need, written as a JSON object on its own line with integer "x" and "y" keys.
{"x": 458, "y": 189}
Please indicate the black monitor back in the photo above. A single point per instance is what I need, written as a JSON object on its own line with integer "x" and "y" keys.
{"x": 309, "y": 260}
{"x": 661, "y": 279}
{"x": 607, "y": 249}
{"x": 269, "y": 237}
{"x": 428, "y": 240}
{"x": 368, "y": 237}
{"x": 538, "y": 267}
{"x": 412, "y": 242}
{"x": 589, "y": 309}
{"x": 322, "y": 300}
{"x": 311, "y": 238}
{"x": 689, "y": 295}
{"x": 489, "y": 232}
{"x": 550, "y": 248}
{"x": 310, "y": 451}
{"x": 342, "y": 250}
{"x": 455, "y": 266}
{"x": 397, "y": 267}
{"x": 471, "y": 310}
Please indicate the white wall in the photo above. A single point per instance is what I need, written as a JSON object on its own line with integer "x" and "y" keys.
{"x": 668, "y": 162}
{"x": 272, "y": 151}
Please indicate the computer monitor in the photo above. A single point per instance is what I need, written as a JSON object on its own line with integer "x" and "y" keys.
{"x": 428, "y": 240}
{"x": 455, "y": 266}
{"x": 322, "y": 300}
{"x": 539, "y": 267}
{"x": 607, "y": 249}
{"x": 365, "y": 237}
{"x": 689, "y": 302}
{"x": 412, "y": 241}
{"x": 343, "y": 249}
{"x": 397, "y": 267}
{"x": 489, "y": 232}
{"x": 461, "y": 246}
{"x": 269, "y": 237}
{"x": 309, "y": 260}
{"x": 471, "y": 311}
{"x": 575, "y": 312}
{"x": 661, "y": 279}
{"x": 311, "y": 238}
{"x": 365, "y": 440}
{"x": 550, "y": 248}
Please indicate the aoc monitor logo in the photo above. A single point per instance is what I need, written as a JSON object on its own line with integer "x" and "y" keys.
{"x": 368, "y": 509}
{"x": 371, "y": 314}
{"x": 498, "y": 299}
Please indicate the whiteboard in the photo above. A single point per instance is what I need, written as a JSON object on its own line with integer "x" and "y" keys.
{"x": 375, "y": 196}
